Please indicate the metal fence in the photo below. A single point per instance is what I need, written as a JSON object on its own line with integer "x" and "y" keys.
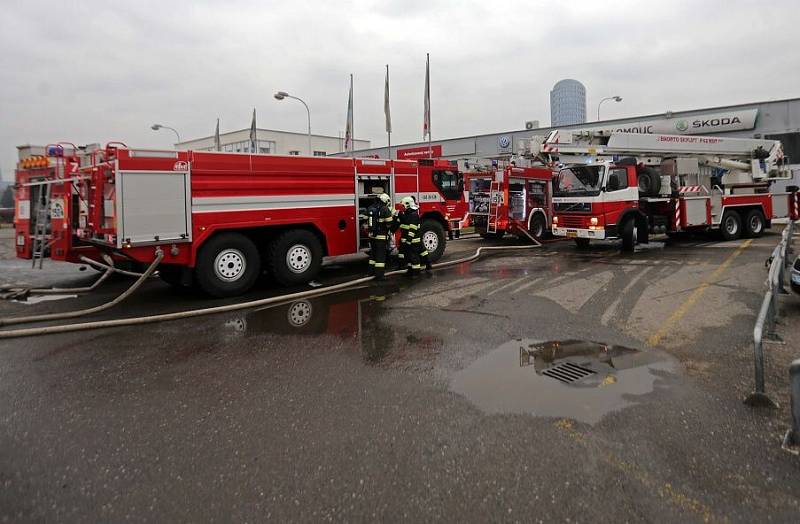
{"x": 768, "y": 315}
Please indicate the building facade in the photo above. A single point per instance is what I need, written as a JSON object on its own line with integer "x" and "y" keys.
{"x": 775, "y": 120}
{"x": 567, "y": 103}
{"x": 273, "y": 142}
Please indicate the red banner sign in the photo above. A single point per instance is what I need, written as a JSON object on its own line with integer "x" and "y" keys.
{"x": 414, "y": 153}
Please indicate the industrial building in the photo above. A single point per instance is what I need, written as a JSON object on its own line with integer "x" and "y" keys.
{"x": 776, "y": 119}
{"x": 273, "y": 142}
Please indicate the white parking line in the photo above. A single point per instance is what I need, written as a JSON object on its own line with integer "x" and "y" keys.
{"x": 523, "y": 287}
{"x": 612, "y": 308}
{"x": 504, "y": 286}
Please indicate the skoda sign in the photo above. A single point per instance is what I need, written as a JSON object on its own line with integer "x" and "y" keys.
{"x": 681, "y": 125}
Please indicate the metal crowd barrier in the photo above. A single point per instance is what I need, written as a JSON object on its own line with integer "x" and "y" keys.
{"x": 768, "y": 314}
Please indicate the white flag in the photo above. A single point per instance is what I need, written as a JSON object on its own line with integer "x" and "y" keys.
{"x": 253, "y": 133}
{"x": 426, "y": 119}
{"x": 386, "y": 110}
{"x": 348, "y": 132}
{"x": 217, "y": 145}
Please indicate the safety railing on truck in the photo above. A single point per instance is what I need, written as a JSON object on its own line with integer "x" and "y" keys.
{"x": 765, "y": 330}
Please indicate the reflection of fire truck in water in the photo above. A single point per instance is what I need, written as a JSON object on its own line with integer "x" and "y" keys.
{"x": 628, "y": 186}
{"x": 353, "y": 315}
{"x": 222, "y": 219}
{"x": 514, "y": 200}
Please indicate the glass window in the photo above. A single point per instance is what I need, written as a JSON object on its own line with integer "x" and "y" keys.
{"x": 294, "y": 153}
{"x": 579, "y": 180}
{"x": 320, "y": 153}
{"x": 450, "y": 183}
{"x": 617, "y": 179}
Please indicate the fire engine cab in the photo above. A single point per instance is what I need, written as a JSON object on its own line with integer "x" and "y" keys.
{"x": 629, "y": 185}
{"x": 222, "y": 219}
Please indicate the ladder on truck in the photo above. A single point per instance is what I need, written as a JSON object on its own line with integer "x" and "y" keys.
{"x": 493, "y": 213}
{"x": 40, "y": 240}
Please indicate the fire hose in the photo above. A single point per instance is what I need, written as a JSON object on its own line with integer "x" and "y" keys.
{"x": 11, "y": 292}
{"x": 163, "y": 317}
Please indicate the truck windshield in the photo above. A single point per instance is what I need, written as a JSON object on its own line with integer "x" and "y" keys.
{"x": 579, "y": 180}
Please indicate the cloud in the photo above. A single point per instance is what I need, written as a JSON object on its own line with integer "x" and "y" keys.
{"x": 101, "y": 71}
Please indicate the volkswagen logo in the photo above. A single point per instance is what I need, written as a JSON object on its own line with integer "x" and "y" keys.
{"x": 504, "y": 141}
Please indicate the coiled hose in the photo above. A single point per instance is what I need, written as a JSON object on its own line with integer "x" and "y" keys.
{"x": 163, "y": 317}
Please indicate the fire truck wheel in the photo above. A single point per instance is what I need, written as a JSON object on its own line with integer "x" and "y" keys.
{"x": 537, "y": 227}
{"x": 433, "y": 239}
{"x": 295, "y": 257}
{"x": 582, "y": 243}
{"x": 731, "y": 225}
{"x": 629, "y": 235}
{"x": 754, "y": 223}
{"x": 227, "y": 265}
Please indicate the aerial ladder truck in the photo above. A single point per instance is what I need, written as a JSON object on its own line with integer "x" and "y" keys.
{"x": 628, "y": 186}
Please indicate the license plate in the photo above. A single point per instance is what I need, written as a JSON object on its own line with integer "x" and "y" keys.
{"x": 572, "y": 234}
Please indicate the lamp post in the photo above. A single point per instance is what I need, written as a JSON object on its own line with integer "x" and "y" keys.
{"x": 614, "y": 98}
{"x": 156, "y": 127}
{"x": 280, "y": 95}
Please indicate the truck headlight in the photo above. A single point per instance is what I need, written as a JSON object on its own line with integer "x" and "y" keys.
{"x": 593, "y": 221}
{"x": 555, "y": 221}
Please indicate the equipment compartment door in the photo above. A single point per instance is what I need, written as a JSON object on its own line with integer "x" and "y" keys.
{"x": 154, "y": 206}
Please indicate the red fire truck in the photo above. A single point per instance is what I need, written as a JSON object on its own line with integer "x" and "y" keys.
{"x": 629, "y": 185}
{"x": 222, "y": 219}
{"x": 514, "y": 200}
{"x": 47, "y": 204}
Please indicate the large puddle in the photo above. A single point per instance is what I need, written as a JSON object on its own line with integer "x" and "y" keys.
{"x": 572, "y": 379}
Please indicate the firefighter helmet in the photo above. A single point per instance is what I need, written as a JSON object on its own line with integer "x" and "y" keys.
{"x": 384, "y": 198}
{"x": 408, "y": 202}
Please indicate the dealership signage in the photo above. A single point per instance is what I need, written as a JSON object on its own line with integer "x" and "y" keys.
{"x": 412, "y": 153}
{"x": 703, "y": 123}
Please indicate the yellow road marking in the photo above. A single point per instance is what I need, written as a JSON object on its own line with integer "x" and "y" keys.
{"x": 664, "y": 490}
{"x": 684, "y": 308}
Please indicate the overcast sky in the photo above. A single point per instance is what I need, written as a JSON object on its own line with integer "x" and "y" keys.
{"x": 95, "y": 71}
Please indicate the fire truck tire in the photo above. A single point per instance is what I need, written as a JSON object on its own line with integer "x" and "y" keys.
{"x": 648, "y": 181}
{"x": 754, "y": 224}
{"x": 629, "y": 235}
{"x": 227, "y": 265}
{"x": 582, "y": 243}
{"x": 538, "y": 227}
{"x": 433, "y": 239}
{"x": 731, "y": 226}
{"x": 295, "y": 257}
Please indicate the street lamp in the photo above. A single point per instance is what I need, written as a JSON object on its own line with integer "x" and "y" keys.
{"x": 156, "y": 127}
{"x": 614, "y": 98}
{"x": 280, "y": 95}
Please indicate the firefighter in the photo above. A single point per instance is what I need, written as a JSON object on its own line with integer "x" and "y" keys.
{"x": 409, "y": 225}
{"x": 379, "y": 223}
{"x": 419, "y": 246}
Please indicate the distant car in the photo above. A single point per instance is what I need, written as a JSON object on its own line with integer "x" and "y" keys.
{"x": 795, "y": 275}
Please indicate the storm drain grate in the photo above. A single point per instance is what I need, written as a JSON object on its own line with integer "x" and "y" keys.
{"x": 567, "y": 372}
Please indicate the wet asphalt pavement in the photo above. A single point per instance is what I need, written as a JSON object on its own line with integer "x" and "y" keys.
{"x": 554, "y": 384}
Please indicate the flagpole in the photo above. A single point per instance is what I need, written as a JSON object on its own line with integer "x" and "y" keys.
{"x": 388, "y": 118}
{"x": 352, "y": 121}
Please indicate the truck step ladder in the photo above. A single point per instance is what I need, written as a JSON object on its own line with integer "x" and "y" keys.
{"x": 40, "y": 240}
{"x": 493, "y": 213}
